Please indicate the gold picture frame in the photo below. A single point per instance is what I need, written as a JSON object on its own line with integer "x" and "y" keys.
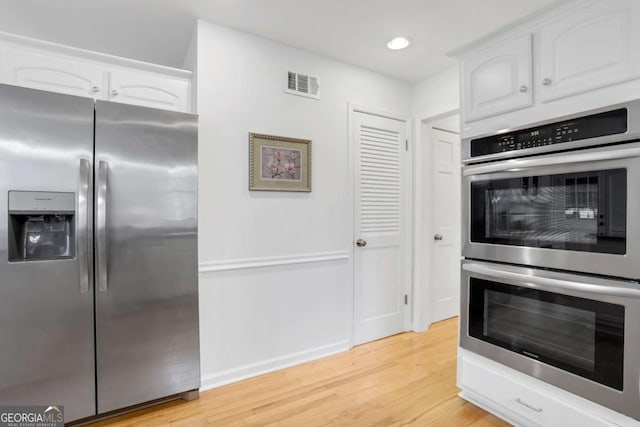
{"x": 278, "y": 163}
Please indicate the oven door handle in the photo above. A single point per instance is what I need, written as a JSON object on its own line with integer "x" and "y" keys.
{"x": 528, "y": 163}
{"x": 536, "y": 282}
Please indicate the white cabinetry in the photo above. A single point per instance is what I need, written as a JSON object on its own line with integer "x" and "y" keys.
{"x": 580, "y": 55}
{"x": 592, "y": 47}
{"x": 48, "y": 66}
{"x": 53, "y": 73}
{"x": 135, "y": 87}
{"x": 498, "y": 79}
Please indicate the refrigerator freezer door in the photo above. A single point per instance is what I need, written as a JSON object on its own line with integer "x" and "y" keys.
{"x": 146, "y": 254}
{"x": 46, "y": 306}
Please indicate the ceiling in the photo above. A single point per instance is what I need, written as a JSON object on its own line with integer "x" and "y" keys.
{"x": 353, "y": 31}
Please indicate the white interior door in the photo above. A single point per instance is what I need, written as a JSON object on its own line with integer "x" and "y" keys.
{"x": 445, "y": 271}
{"x": 381, "y": 260}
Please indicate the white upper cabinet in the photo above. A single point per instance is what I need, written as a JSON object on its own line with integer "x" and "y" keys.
{"x": 586, "y": 55}
{"x": 497, "y": 79}
{"x": 56, "y": 68}
{"x": 594, "y": 46}
{"x": 53, "y": 73}
{"x": 149, "y": 89}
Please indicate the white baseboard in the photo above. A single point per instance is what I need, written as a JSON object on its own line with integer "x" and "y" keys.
{"x": 252, "y": 370}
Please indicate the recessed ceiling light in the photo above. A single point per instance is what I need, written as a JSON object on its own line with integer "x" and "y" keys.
{"x": 398, "y": 43}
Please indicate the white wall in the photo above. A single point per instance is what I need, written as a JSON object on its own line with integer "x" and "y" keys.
{"x": 432, "y": 98}
{"x": 191, "y": 63}
{"x": 256, "y": 318}
{"x": 437, "y": 94}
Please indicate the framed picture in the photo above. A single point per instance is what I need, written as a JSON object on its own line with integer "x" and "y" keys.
{"x": 279, "y": 163}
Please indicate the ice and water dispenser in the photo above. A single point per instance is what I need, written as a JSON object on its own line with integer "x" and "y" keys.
{"x": 41, "y": 226}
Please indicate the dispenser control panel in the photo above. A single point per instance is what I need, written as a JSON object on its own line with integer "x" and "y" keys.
{"x": 38, "y": 201}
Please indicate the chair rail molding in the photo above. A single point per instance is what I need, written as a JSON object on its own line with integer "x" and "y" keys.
{"x": 262, "y": 262}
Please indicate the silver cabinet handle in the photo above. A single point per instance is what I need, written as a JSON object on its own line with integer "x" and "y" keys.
{"x": 361, "y": 243}
{"x": 82, "y": 243}
{"x": 438, "y": 237}
{"x": 114, "y": 92}
{"x": 547, "y": 82}
{"x": 523, "y": 88}
{"x": 526, "y": 405}
{"x": 95, "y": 89}
{"x": 101, "y": 225}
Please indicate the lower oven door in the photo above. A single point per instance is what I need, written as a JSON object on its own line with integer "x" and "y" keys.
{"x": 577, "y": 332}
{"x": 570, "y": 211}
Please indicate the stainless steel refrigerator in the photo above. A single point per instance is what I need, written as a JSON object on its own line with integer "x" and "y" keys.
{"x": 98, "y": 253}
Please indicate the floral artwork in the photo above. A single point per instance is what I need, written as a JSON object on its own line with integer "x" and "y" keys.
{"x": 280, "y": 163}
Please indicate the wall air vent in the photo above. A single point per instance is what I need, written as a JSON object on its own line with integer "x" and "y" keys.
{"x": 302, "y": 84}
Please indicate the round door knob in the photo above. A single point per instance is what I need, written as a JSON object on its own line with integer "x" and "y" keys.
{"x": 523, "y": 88}
{"x": 361, "y": 243}
{"x": 95, "y": 89}
{"x": 114, "y": 92}
{"x": 546, "y": 82}
{"x": 437, "y": 237}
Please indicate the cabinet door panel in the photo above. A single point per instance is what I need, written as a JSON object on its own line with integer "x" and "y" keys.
{"x": 594, "y": 47}
{"x": 56, "y": 74}
{"x": 498, "y": 80}
{"x": 149, "y": 90}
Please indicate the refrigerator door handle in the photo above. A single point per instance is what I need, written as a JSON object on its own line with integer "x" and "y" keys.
{"x": 83, "y": 225}
{"x": 101, "y": 224}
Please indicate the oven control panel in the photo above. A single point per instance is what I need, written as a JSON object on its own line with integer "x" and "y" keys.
{"x": 593, "y": 126}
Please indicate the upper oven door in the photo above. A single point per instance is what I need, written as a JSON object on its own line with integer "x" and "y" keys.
{"x": 571, "y": 211}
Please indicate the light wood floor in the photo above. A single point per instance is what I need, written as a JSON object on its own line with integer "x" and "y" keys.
{"x": 407, "y": 379}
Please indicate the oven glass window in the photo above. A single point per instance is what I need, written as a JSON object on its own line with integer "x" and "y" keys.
{"x": 578, "y": 212}
{"x": 582, "y": 336}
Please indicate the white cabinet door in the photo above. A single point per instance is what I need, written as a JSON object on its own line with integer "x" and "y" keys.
{"x": 497, "y": 79}
{"x": 53, "y": 73}
{"x": 150, "y": 90}
{"x": 593, "y": 47}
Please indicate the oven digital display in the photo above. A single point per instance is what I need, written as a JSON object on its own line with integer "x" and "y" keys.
{"x": 593, "y": 126}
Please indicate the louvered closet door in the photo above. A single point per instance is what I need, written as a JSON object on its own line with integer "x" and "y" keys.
{"x": 381, "y": 256}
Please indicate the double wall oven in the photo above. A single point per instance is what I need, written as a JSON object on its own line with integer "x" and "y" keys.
{"x": 551, "y": 247}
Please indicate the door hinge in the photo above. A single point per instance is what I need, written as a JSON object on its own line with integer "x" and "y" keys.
{"x": 406, "y": 299}
{"x": 406, "y": 145}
